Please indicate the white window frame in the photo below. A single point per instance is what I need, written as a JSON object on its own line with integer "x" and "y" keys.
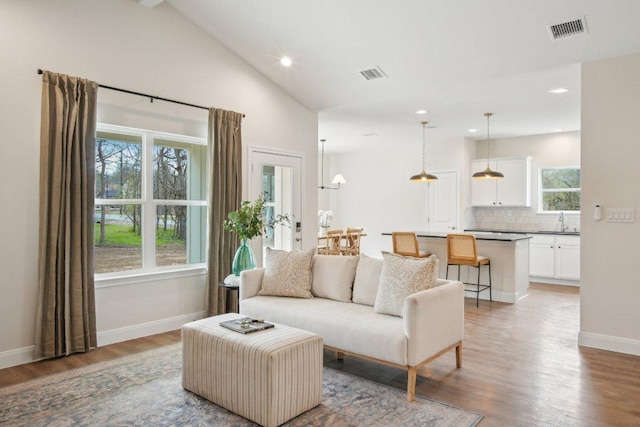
{"x": 149, "y": 271}
{"x": 541, "y": 190}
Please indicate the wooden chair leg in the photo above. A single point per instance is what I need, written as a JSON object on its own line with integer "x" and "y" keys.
{"x": 411, "y": 383}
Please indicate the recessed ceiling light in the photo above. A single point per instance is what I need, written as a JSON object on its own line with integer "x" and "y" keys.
{"x": 421, "y": 112}
{"x": 559, "y": 90}
{"x": 472, "y": 130}
{"x": 555, "y": 130}
{"x": 285, "y": 61}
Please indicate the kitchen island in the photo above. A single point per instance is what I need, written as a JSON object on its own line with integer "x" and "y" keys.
{"x": 509, "y": 254}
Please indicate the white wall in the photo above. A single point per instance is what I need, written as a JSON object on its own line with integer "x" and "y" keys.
{"x": 610, "y": 292}
{"x": 155, "y": 51}
{"x": 379, "y": 196}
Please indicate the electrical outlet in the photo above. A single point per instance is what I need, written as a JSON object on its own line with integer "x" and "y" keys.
{"x": 620, "y": 215}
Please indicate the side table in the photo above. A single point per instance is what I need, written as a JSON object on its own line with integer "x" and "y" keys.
{"x": 232, "y": 283}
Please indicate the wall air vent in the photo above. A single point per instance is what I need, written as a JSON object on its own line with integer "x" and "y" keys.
{"x": 372, "y": 74}
{"x": 567, "y": 29}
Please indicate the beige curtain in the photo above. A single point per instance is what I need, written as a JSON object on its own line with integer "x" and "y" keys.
{"x": 66, "y": 314}
{"x": 225, "y": 193}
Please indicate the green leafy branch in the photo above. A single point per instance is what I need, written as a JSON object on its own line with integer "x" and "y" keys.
{"x": 248, "y": 221}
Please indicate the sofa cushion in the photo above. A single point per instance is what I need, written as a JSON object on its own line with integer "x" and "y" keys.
{"x": 333, "y": 276}
{"x": 350, "y": 327}
{"x": 287, "y": 274}
{"x": 365, "y": 286}
{"x": 400, "y": 277}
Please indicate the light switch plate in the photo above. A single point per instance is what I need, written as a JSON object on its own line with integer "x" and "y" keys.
{"x": 620, "y": 215}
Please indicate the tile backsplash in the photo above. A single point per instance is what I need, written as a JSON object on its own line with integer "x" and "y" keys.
{"x": 518, "y": 219}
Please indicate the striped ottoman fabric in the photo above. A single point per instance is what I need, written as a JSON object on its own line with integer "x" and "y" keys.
{"x": 268, "y": 376}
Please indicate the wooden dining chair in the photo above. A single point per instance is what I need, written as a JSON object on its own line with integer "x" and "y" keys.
{"x": 332, "y": 247}
{"x": 352, "y": 241}
{"x": 462, "y": 250}
{"x": 406, "y": 243}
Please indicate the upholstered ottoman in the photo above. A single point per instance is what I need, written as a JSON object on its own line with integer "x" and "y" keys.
{"x": 267, "y": 376}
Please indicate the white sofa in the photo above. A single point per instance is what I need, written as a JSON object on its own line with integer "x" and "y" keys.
{"x": 341, "y": 311}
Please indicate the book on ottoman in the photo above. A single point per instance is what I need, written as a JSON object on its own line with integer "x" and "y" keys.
{"x": 246, "y": 325}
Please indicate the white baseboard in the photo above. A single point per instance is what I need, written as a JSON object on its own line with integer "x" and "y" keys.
{"x": 610, "y": 343}
{"x": 17, "y": 356}
{"x": 551, "y": 281}
{"x": 23, "y": 355}
{"x": 508, "y": 297}
{"x": 145, "y": 329}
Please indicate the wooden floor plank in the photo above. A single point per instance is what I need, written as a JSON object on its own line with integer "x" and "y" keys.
{"x": 522, "y": 366}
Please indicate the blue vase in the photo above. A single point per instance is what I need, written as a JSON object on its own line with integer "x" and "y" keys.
{"x": 244, "y": 259}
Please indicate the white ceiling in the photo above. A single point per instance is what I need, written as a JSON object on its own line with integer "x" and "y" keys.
{"x": 455, "y": 58}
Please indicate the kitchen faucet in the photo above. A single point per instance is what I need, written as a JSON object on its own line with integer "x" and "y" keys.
{"x": 562, "y": 225}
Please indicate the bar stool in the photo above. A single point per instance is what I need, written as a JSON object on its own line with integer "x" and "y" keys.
{"x": 406, "y": 243}
{"x": 461, "y": 250}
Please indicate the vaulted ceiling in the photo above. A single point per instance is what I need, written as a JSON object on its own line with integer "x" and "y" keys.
{"x": 454, "y": 58}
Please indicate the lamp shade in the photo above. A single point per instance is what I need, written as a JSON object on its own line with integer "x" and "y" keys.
{"x": 339, "y": 179}
{"x": 488, "y": 174}
{"x": 423, "y": 177}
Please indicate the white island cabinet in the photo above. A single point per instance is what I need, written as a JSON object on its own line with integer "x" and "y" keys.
{"x": 554, "y": 259}
{"x": 509, "y": 254}
{"x": 512, "y": 190}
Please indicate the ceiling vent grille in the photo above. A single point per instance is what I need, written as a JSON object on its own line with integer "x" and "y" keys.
{"x": 372, "y": 74}
{"x": 567, "y": 29}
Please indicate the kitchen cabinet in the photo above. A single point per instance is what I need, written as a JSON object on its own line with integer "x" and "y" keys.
{"x": 512, "y": 190}
{"x": 554, "y": 257}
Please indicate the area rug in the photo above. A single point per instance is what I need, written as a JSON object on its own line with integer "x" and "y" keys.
{"x": 145, "y": 390}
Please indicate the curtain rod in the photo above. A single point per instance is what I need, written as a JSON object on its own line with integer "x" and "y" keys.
{"x": 152, "y": 97}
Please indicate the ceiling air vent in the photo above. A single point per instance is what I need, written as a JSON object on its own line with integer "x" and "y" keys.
{"x": 372, "y": 74}
{"x": 567, "y": 29}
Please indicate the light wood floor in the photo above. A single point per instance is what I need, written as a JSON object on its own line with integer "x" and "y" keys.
{"x": 521, "y": 366}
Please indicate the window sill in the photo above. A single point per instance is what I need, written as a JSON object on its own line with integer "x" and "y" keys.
{"x": 558, "y": 212}
{"x": 124, "y": 279}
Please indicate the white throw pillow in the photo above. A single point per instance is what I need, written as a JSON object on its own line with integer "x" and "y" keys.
{"x": 287, "y": 274}
{"x": 365, "y": 286}
{"x": 333, "y": 276}
{"x": 402, "y": 276}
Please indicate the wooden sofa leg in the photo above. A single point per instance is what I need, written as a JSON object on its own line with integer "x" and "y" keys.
{"x": 340, "y": 355}
{"x": 411, "y": 383}
{"x": 459, "y": 355}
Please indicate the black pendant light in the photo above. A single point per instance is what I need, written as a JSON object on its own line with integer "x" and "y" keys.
{"x": 488, "y": 173}
{"x": 423, "y": 176}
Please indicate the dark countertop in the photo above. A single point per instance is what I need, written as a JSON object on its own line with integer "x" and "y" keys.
{"x": 485, "y": 230}
{"x": 502, "y": 237}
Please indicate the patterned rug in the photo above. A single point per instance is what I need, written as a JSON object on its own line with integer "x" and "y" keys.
{"x": 145, "y": 390}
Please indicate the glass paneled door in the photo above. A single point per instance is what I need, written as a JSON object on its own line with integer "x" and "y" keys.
{"x": 278, "y": 178}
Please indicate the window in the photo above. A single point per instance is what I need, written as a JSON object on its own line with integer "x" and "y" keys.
{"x": 559, "y": 189}
{"x": 150, "y": 207}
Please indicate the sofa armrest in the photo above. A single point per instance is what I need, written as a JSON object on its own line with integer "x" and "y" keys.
{"x": 433, "y": 320}
{"x": 250, "y": 283}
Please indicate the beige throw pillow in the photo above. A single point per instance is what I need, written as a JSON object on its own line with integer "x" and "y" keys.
{"x": 365, "y": 286}
{"x": 400, "y": 277}
{"x": 287, "y": 274}
{"x": 333, "y": 276}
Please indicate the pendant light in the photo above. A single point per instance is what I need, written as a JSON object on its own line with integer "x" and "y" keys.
{"x": 488, "y": 173}
{"x": 338, "y": 179}
{"x": 423, "y": 176}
